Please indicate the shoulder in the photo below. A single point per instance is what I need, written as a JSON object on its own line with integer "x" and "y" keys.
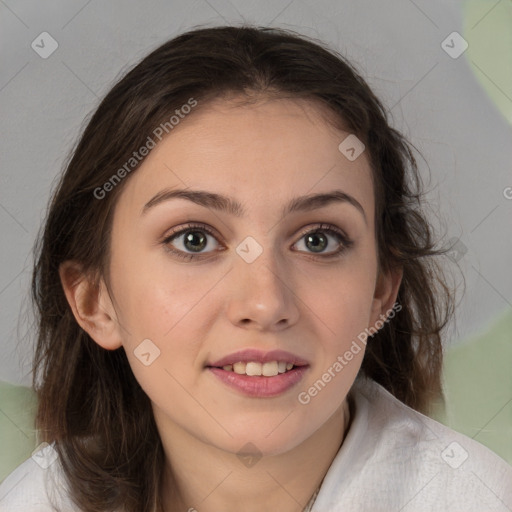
{"x": 395, "y": 458}
{"x": 36, "y": 485}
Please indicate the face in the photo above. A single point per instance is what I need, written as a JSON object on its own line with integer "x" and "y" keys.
{"x": 200, "y": 278}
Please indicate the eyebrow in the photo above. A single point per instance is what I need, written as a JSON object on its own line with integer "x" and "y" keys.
{"x": 233, "y": 207}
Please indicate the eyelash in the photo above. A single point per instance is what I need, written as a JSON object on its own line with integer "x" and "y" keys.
{"x": 346, "y": 243}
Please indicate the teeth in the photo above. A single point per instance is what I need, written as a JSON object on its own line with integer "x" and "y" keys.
{"x": 239, "y": 368}
{"x": 253, "y": 368}
{"x": 270, "y": 369}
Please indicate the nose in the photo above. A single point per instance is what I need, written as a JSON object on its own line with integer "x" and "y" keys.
{"x": 263, "y": 296}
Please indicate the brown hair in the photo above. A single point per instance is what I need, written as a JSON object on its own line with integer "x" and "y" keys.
{"x": 89, "y": 400}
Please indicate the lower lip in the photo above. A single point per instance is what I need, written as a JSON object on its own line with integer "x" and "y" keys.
{"x": 259, "y": 386}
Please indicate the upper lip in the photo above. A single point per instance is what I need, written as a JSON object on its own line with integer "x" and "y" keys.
{"x": 248, "y": 355}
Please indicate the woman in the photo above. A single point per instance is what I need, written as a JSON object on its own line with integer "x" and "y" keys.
{"x": 239, "y": 298}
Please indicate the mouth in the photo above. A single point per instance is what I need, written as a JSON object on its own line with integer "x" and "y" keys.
{"x": 257, "y": 363}
{"x": 260, "y": 374}
{"x": 257, "y": 369}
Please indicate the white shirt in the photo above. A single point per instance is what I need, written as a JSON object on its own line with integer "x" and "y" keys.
{"x": 393, "y": 459}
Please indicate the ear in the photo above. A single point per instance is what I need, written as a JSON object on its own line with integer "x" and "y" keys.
{"x": 91, "y": 305}
{"x": 386, "y": 292}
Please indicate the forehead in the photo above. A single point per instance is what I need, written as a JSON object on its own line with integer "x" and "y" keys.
{"x": 263, "y": 152}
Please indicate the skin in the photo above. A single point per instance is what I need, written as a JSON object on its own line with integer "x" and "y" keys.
{"x": 196, "y": 311}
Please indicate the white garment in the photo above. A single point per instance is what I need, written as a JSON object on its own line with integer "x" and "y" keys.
{"x": 393, "y": 459}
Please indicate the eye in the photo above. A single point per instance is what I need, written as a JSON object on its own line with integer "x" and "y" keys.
{"x": 319, "y": 239}
{"x": 193, "y": 238}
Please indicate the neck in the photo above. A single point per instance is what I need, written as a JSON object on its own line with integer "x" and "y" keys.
{"x": 201, "y": 477}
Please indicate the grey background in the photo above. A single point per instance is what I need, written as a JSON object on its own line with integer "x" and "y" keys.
{"x": 434, "y": 99}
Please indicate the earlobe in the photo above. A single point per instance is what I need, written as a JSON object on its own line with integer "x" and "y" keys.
{"x": 91, "y": 305}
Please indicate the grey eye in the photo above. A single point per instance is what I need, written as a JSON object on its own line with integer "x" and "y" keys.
{"x": 317, "y": 241}
{"x": 194, "y": 240}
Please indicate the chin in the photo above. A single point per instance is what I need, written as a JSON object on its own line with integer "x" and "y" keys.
{"x": 269, "y": 437}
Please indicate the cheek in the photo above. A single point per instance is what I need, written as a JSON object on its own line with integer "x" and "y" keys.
{"x": 173, "y": 310}
{"x": 166, "y": 328}
{"x": 156, "y": 295}
{"x": 340, "y": 298}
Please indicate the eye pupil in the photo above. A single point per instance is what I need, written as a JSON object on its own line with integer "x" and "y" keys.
{"x": 315, "y": 237}
{"x": 194, "y": 237}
